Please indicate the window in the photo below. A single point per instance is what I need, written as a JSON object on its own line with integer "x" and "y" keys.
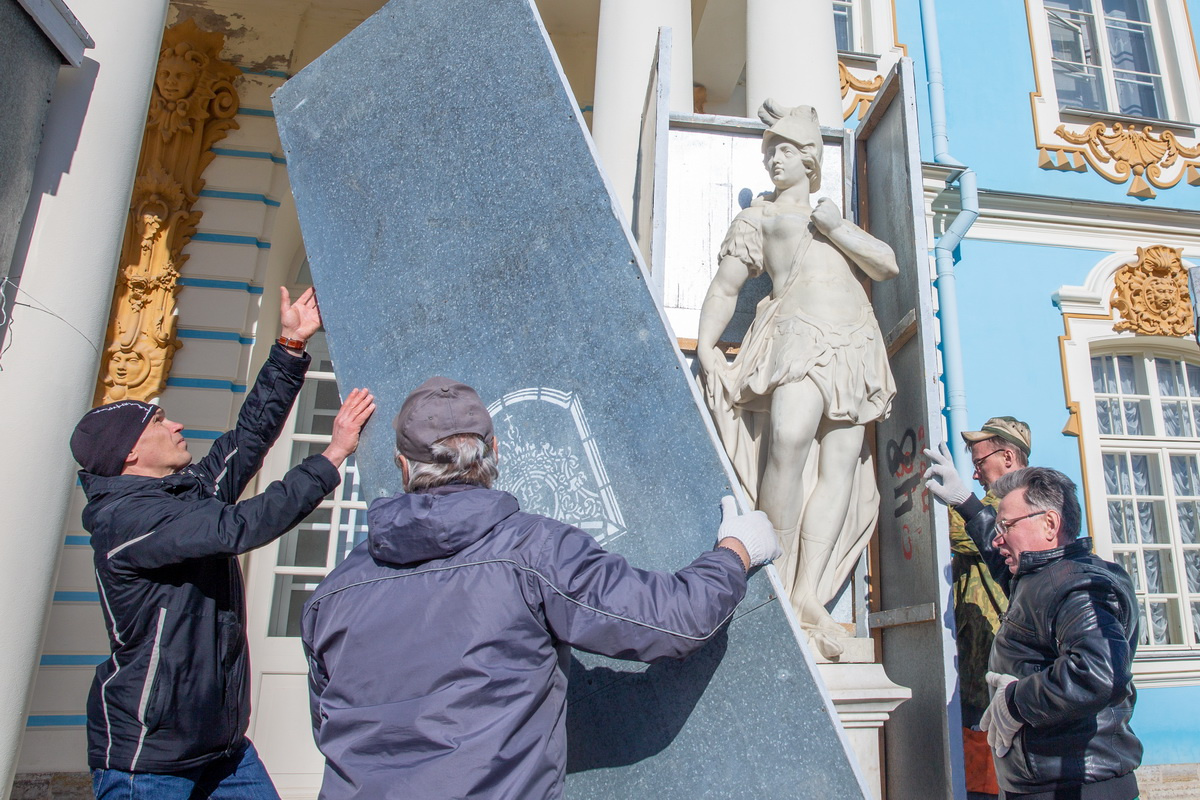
{"x": 1148, "y": 415}
{"x": 1105, "y": 57}
{"x": 309, "y": 551}
{"x": 843, "y": 25}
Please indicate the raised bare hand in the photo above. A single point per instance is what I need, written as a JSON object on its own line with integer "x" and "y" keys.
{"x": 301, "y": 319}
{"x": 348, "y": 424}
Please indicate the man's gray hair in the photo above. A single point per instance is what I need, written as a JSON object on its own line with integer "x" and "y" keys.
{"x": 468, "y": 459}
{"x": 1046, "y": 490}
{"x": 1000, "y": 443}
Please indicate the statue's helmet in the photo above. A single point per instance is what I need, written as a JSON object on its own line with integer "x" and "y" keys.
{"x": 797, "y": 125}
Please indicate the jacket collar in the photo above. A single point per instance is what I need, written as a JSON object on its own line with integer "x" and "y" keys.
{"x": 1035, "y": 560}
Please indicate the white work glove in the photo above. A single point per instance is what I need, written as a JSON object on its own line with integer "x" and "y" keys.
{"x": 998, "y": 721}
{"x": 948, "y": 487}
{"x": 753, "y": 530}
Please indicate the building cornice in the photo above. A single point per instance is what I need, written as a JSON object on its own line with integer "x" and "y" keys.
{"x": 1078, "y": 223}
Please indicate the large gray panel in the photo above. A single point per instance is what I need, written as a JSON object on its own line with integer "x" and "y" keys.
{"x": 924, "y": 759}
{"x": 28, "y": 68}
{"x": 456, "y": 223}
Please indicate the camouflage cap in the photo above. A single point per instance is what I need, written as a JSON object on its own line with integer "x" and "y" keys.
{"x": 1010, "y": 429}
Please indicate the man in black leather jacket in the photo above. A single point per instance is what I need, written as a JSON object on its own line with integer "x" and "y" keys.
{"x": 1061, "y": 664}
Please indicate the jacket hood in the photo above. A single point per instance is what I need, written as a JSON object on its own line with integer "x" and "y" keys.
{"x": 410, "y": 528}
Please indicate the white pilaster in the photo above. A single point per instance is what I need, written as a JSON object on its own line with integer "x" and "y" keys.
{"x": 65, "y": 266}
{"x": 864, "y": 698}
{"x": 791, "y": 56}
{"x": 628, "y": 31}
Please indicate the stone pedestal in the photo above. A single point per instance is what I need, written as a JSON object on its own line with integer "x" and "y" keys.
{"x": 864, "y": 697}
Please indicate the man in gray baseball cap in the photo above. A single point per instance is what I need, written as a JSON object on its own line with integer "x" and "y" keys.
{"x": 438, "y": 649}
{"x": 1000, "y": 446}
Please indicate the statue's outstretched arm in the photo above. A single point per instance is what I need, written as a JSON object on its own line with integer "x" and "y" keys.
{"x": 873, "y": 256}
{"x": 718, "y": 308}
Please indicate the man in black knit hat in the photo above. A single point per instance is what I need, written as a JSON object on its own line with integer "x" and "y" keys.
{"x": 168, "y": 712}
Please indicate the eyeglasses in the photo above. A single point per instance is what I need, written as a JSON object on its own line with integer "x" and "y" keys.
{"x": 978, "y": 462}
{"x": 1002, "y": 525}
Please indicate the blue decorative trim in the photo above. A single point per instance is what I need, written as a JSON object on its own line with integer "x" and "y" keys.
{"x": 228, "y": 238}
{"x": 55, "y": 720}
{"x": 78, "y": 541}
{"x": 196, "y": 433}
{"x": 274, "y": 73}
{"x": 224, "y": 336}
{"x": 77, "y": 597}
{"x": 225, "y": 151}
{"x": 224, "y": 195}
{"x": 256, "y": 112}
{"x": 206, "y": 383}
{"x": 72, "y": 659}
{"x": 208, "y": 283}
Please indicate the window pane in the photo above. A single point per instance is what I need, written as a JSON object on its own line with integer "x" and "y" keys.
{"x": 1193, "y": 377}
{"x": 1170, "y": 377}
{"x": 1072, "y": 37}
{"x": 1116, "y": 479}
{"x": 1132, "y": 48}
{"x": 302, "y": 450}
{"x": 1188, "y": 512}
{"x": 291, "y": 592}
{"x": 1069, "y": 5}
{"x": 842, "y": 26}
{"x": 1185, "y": 475}
{"x": 308, "y": 544}
{"x": 1128, "y": 562}
{"x": 1195, "y": 623}
{"x": 1079, "y": 87}
{"x": 1129, "y": 376}
{"x": 1133, "y": 10}
{"x": 1145, "y": 475}
{"x": 1103, "y": 379}
{"x": 1191, "y": 565}
{"x": 1164, "y": 619}
{"x": 1177, "y": 419}
{"x": 1152, "y": 527}
{"x": 1160, "y": 571}
{"x": 1133, "y": 419}
{"x": 1139, "y": 97}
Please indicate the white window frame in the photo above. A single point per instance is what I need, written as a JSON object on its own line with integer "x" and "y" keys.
{"x": 1174, "y": 50}
{"x": 1088, "y": 319}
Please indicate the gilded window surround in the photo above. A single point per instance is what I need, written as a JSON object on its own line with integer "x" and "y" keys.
{"x": 192, "y": 106}
{"x": 1146, "y": 154}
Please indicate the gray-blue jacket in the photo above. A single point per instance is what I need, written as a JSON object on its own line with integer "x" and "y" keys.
{"x": 438, "y": 650}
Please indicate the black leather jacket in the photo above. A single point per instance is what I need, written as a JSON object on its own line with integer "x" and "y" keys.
{"x": 1069, "y": 637}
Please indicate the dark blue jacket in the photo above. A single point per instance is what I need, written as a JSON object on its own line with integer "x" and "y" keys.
{"x": 438, "y": 650}
{"x": 176, "y": 692}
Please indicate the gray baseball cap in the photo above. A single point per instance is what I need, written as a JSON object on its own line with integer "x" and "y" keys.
{"x": 438, "y": 408}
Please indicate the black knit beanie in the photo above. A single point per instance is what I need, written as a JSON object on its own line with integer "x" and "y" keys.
{"x": 106, "y": 434}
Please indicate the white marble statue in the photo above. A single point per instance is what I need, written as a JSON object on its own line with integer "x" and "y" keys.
{"x": 811, "y": 372}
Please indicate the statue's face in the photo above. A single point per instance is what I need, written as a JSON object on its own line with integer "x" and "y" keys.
{"x": 176, "y": 78}
{"x": 126, "y": 366}
{"x": 791, "y": 163}
{"x": 1161, "y": 294}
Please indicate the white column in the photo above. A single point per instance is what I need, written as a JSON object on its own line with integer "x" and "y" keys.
{"x": 791, "y": 57}
{"x": 625, "y": 42}
{"x": 65, "y": 266}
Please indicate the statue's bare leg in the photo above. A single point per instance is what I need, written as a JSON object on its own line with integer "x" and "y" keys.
{"x": 796, "y": 411}
{"x": 821, "y": 525}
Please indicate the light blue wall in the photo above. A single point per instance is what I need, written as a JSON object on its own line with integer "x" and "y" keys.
{"x": 988, "y": 70}
{"x": 1010, "y": 331}
{"x": 1166, "y": 722}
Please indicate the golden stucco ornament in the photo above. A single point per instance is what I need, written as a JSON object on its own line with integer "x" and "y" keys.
{"x": 1122, "y": 153}
{"x": 192, "y": 107}
{"x": 1151, "y": 294}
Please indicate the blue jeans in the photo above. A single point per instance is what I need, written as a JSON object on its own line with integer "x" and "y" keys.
{"x": 240, "y": 776}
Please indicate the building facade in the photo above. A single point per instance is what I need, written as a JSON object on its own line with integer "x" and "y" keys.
{"x": 1079, "y": 121}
